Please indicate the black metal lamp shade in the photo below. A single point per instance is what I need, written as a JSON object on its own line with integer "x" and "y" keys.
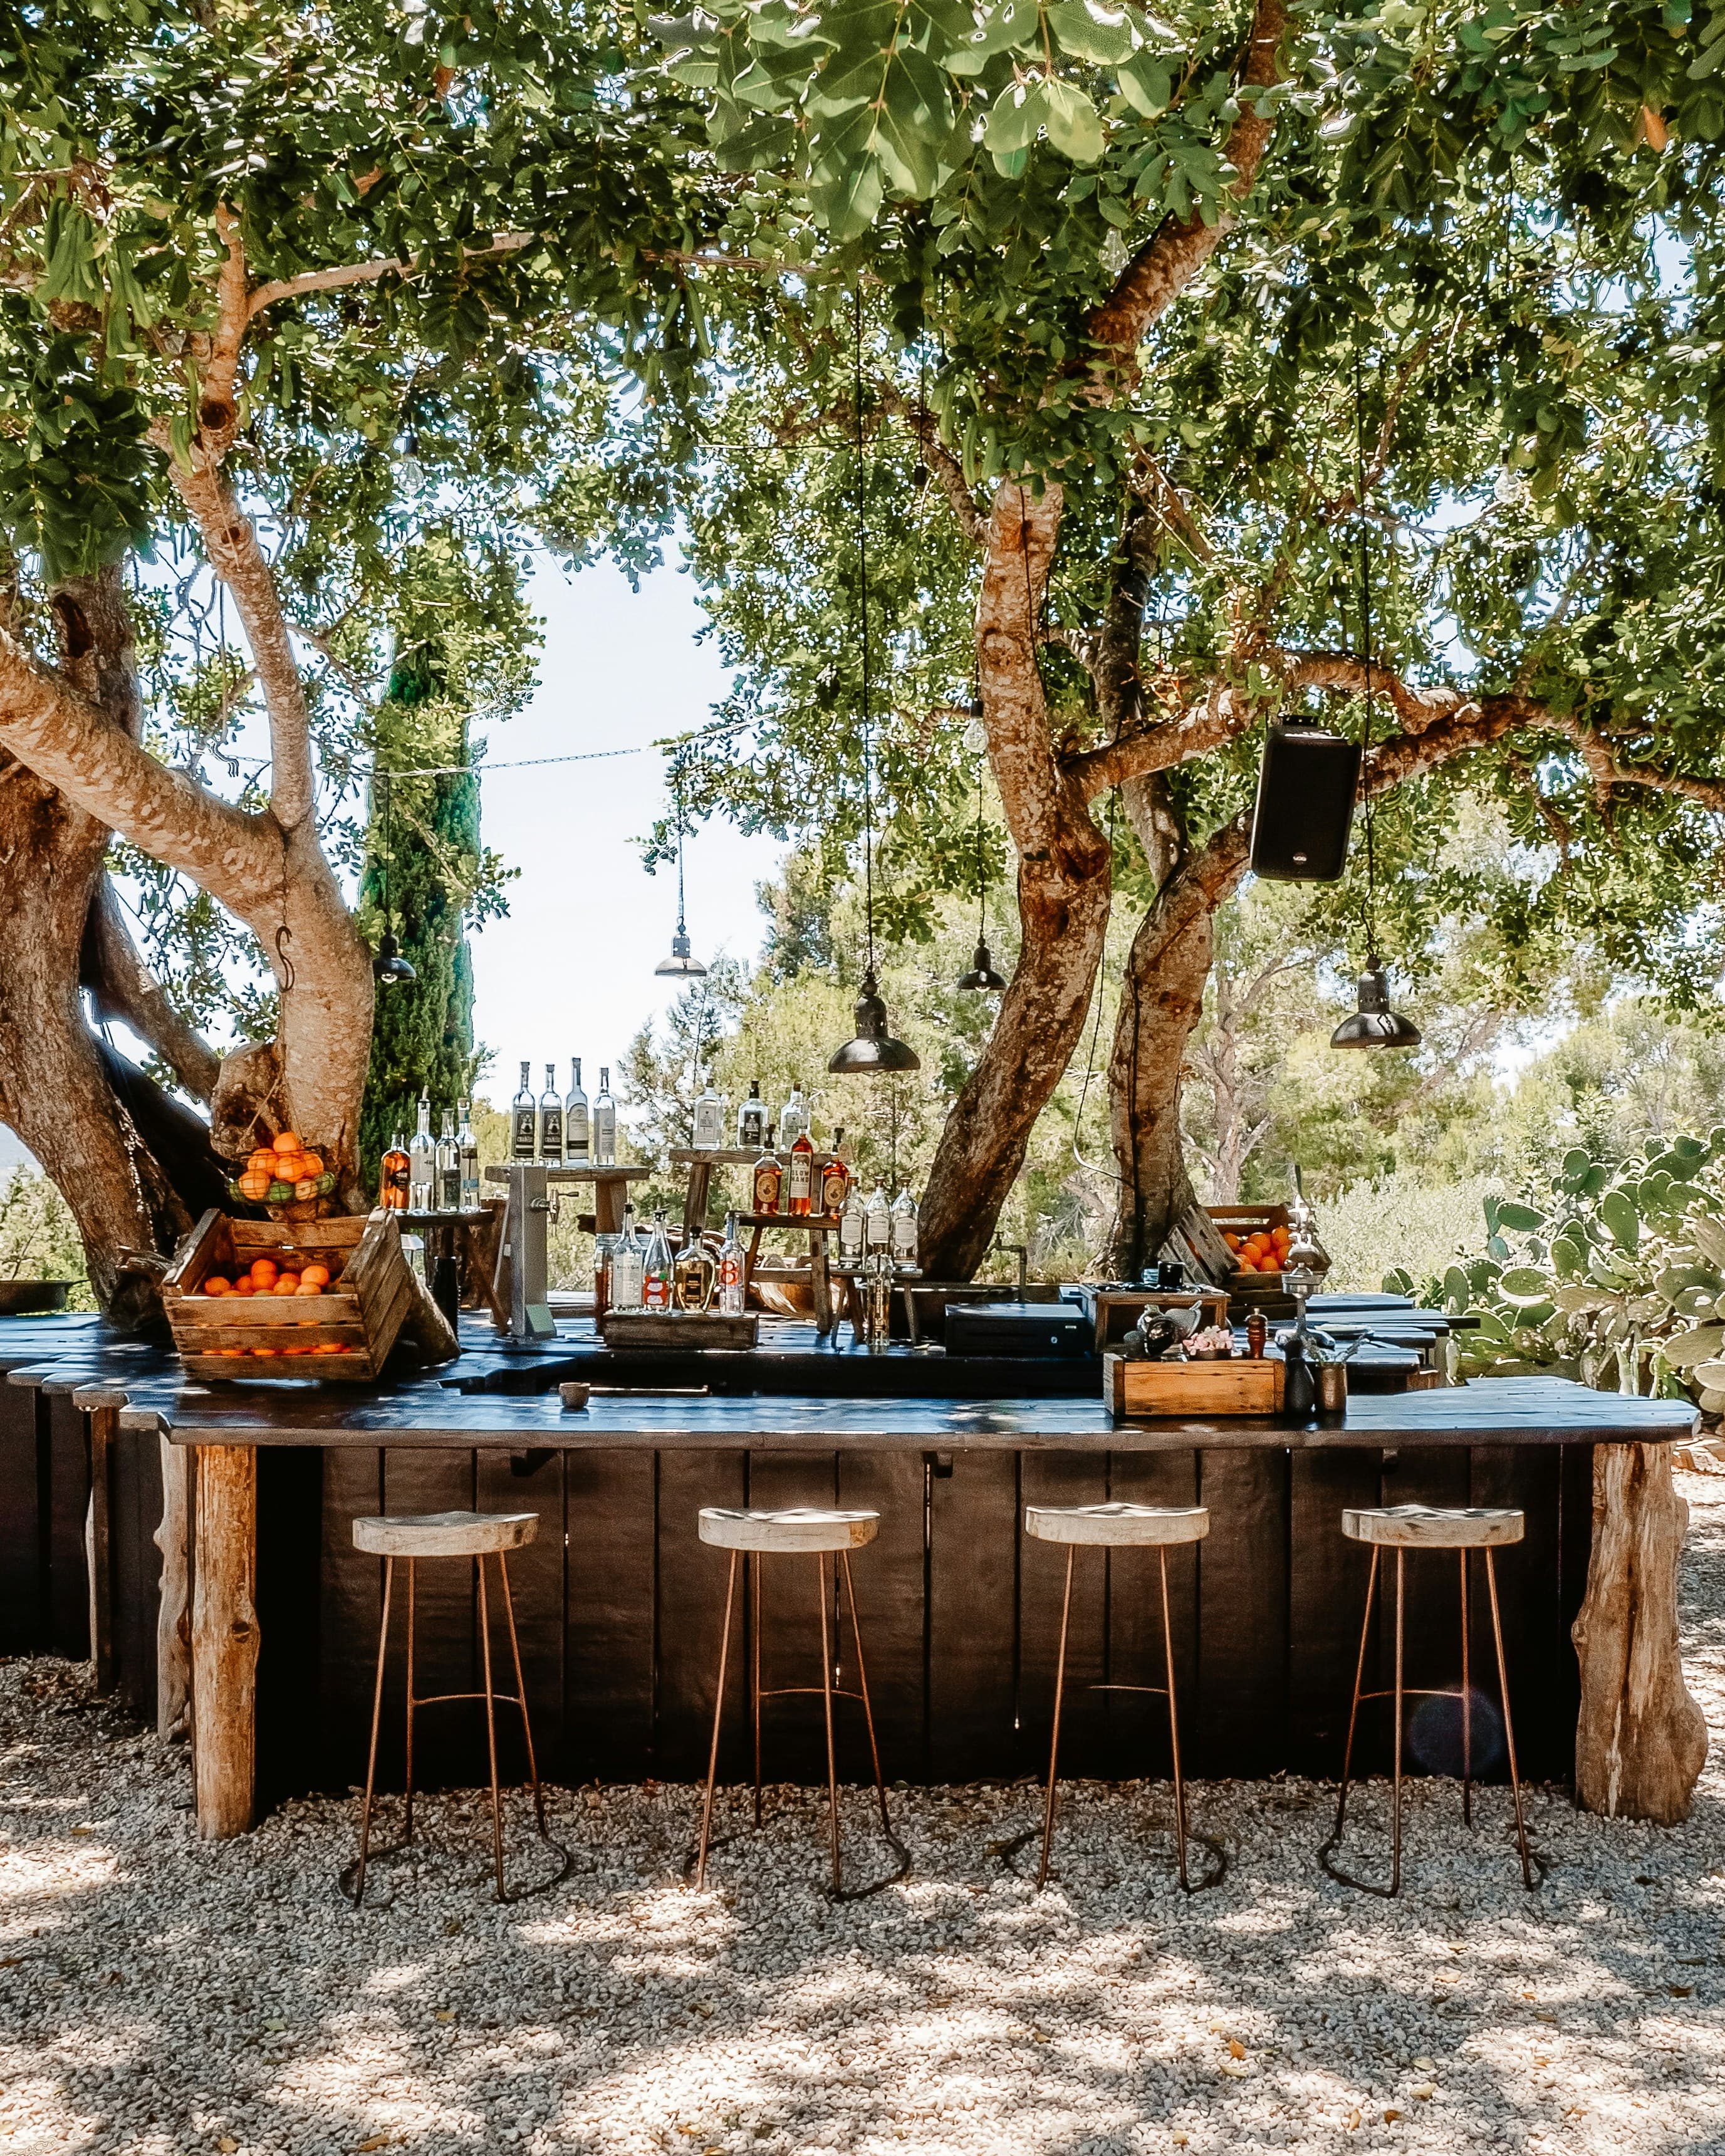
{"x": 389, "y": 969}
{"x": 982, "y": 973}
{"x": 1374, "y": 1025}
{"x": 681, "y": 965}
{"x": 874, "y": 1047}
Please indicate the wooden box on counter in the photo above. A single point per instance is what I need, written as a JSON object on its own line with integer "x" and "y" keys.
{"x": 356, "y": 1320}
{"x": 1235, "y": 1386}
{"x": 680, "y": 1328}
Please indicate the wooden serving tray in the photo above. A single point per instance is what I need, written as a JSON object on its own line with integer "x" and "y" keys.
{"x": 1239, "y": 1386}
{"x": 680, "y": 1328}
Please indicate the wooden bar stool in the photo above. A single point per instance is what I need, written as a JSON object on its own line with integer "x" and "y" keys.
{"x": 804, "y": 1531}
{"x": 1402, "y": 1528}
{"x": 1120, "y": 1527}
{"x": 474, "y": 1536}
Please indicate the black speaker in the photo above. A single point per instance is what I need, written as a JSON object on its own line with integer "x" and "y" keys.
{"x": 1305, "y": 790}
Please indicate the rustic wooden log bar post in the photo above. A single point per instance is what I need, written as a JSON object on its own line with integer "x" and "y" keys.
{"x": 97, "y": 1554}
{"x": 173, "y": 1613}
{"x": 1641, "y": 1740}
{"x": 224, "y": 1639}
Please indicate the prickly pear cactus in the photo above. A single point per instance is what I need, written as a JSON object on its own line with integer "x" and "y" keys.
{"x": 1616, "y": 1275}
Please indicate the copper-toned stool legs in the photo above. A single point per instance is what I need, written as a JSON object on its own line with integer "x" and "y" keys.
{"x": 1219, "y": 1866}
{"x": 829, "y": 1691}
{"x": 1533, "y": 1866}
{"x": 353, "y": 1878}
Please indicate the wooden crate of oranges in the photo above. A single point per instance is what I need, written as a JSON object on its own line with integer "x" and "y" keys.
{"x": 324, "y": 1299}
{"x": 1258, "y": 1236}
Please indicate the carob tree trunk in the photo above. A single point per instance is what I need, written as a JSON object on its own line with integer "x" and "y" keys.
{"x": 1641, "y": 1740}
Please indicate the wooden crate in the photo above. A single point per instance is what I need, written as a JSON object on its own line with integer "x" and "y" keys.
{"x": 680, "y": 1328}
{"x": 371, "y": 1293}
{"x": 1238, "y": 1386}
{"x": 1117, "y": 1310}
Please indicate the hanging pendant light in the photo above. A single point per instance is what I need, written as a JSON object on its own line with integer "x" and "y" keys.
{"x": 981, "y": 975}
{"x": 681, "y": 965}
{"x": 389, "y": 969}
{"x": 1374, "y": 1024}
{"x": 873, "y": 1048}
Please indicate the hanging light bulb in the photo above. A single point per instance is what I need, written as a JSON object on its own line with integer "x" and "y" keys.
{"x": 389, "y": 969}
{"x": 1374, "y": 1024}
{"x": 874, "y": 1047}
{"x": 681, "y": 965}
{"x": 982, "y": 973}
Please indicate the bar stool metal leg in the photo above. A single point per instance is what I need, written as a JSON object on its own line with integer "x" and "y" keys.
{"x": 491, "y": 1732}
{"x": 365, "y": 1815}
{"x": 1395, "y": 1861}
{"x": 1509, "y": 1734}
{"x": 757, "y": 1571}
{"x": 712, "y": 1760}
{"x": 1054, "y": 1744}
{"x": 862, "y": 1686}
{"x": 407, "y": 1828}
{"x": 1466, "y": 1708}
{"x": 1324, "y": 1854}
{"x": 826, "y": 1688}
{"x": 1174, "y": 1725}
{"x": 520, "y": 1686}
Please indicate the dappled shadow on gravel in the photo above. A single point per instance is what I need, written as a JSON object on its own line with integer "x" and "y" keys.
{"x": 163, "y": 1996}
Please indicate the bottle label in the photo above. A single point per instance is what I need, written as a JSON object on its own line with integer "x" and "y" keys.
{"x": 709, "y": 1124}
{"x": 526, "y": 1133}
{"x": 850, "y": 1236}
{"x": 575, "y": 1133}
{"x": 656, "y": 1292}
{"x": 604, "y": 1140}
{"x": 834, "y": 1184}
{"x": 551, "y": 1133}
{"x": 768, "y": 1178}
{"x": 451, "y": 1183}
{"x": 801, "y": 1178}
{"x": 904, "y": 1237}
{"x": 752, "y": 1125}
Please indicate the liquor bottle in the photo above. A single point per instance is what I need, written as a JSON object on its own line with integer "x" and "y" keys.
{"x": 602, "y": 1249}
{"x": 834, "y": 1180}
{"x": 767, "y": 1180}
{"x": 730, "y": 1271}
{"x": 448, "y": 1167}
{"x": 752, "y": 1120}
{"x": 800, "y": 1177}
{"x": 576, "y": 1135}
{"x": 605, "y": 1123}
{"x": 793, "y": 1123}
{"x": 904, "y": 1229}
{"x": 524, "y": 1120}
{"x": 628, "y": 1266}
{"x": 422, "y": 1155}
{"x": 467, "y": 1144}
{"x": 853, "y": 1227}
{"x": 551, "y": 1120}
{"x": 880, "y": 1213}
{"x": 695, "y": 1274}
{"x": 709, "y": 1118}
{"x": 392, "y": 1192}
{"x": 659, "y": 1275}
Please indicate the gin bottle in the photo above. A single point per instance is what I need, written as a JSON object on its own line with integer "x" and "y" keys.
{"x": 730, "y": 1271}
{"x": 551, "y": 1120}
{"x": 658, "y": 1275}
{"x": 575, "y": 1125}
{"x": 421, "y": 1155}
{"x": 752, "y": 1120}
{"x": 853, "y": 1227}
{"x": 628, "y": 1266}
{"x": 709, "y": 1118}
{"x": 467, "y": 1145}
{"x": 879, "y": 1214}
{"x": 524, "y": 1120}
{"x": 448, "y": 1167}
{"x": 605, "y": 1123}
{"x": 793, "y": 1122}
{"x": 904, "y": 1229}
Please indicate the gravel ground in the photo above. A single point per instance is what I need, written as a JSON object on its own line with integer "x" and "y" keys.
{"x": 161, "y": 1995}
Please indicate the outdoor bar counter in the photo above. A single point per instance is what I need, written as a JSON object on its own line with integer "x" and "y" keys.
{"x": 221, "y": 1529}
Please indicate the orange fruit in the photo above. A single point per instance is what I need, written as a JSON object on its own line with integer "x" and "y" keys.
{"x": 1232, "y": 1241}
{"x": 1248, "y": 1264}
{"x": 286, "y": 1284}
{"x": 309, "y": 1287}
{"x": 327, "y": 1347}
{"x": 215, "y": 1285}
{"x": 288, "y": 1141}
{"x": 263, "y": 1269}
{"x": 254, "y": 1184}
{"x": 245, "y": 1284}
{"x": 305, "y": 1187}
{"x": 262, "y": 1351}
{"x": 263, "y": 1159}
{"x": 310, "y": 1163}
{"x": 314, "y": 1275}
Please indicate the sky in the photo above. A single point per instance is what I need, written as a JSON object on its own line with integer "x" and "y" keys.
{"x": 570, "y": 971}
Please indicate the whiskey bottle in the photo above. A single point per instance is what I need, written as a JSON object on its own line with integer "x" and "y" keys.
{"x": 709, "y": 1118}
{"x": 576, "y": 1134}
{"x": 768, "y": 1181}
{"x": 421, "y": 1155}
{"x": 524, "y": 1120}
{"x": 605, "y": 1123}
{"x": 628, "y": 1266}
{"x": 800, "y": 1177}
{"x": 853, "y": 1227}
{"x": 658, "y": 1275}
{"x": 695, "y": 1273}
{"x": 393, "y": 1183}
{"x": 448, "y": 1167}
{"x": 752, "y": 1120}
{"x": 793, "y": 1123}
{"x": 730, "y": 1271}
{"x": 834, "y": 1179}
{"x": 904, "y": 1229}
{"x": 879, "y": 1228}
{"x": 551, "y": 1120}
{"x": 468, "y": 1147}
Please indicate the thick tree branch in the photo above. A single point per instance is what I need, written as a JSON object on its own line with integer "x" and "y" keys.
{"x": 216, "y": 408}
{"x": 125, "y": 988}
{"x": 368, "y": 273}
{"x": 1225, "y": 711}
{"x": 925, "y": 431}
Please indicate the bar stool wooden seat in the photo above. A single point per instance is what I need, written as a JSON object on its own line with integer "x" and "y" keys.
{"x": 799, "y": 1531}
{"x": 1118, "y": 1525}
{"x": 476, "y": 1536}
{"x": 1401, "y": 1528}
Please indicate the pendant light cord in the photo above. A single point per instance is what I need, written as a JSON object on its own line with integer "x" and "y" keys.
{"x": 682, "y": 924}
{"x": 862, "y": 560}
{"x": 1365, "y": 612}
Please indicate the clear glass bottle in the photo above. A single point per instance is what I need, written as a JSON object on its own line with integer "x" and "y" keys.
{"x": 730, "y": 1271}
{"x": 576, "y": 1135}
{"x": 751, "y": 1121}
{"x": 393, "y": 1183}
{"x": 709, "y": 1118}
{"x": 767, "y": 1181}
{"x": 467, "y": 1144}
{"x": 800, "y": 1177}
{"x": 551, "y": 1120}
{"x": 524, "y": 1120}
{"x": 834, "y": 1180}
{"x": 422, "y": 1155}
{"x": 605, "y": 1123}
{"x": 658, "y": 1275}
{"x": 904, "y": 1229}
{"x": 628, "y": 1266}
{"x": 880, "y": 1300}
{"x": 448, "y": 1167}
{"x": 603, "y": 1248}
{"x": 793, "y": 1123}
{"x": 695, "y": 1273}
{"x": 880, "y": 1218}
{"x": 854, "y": 1226}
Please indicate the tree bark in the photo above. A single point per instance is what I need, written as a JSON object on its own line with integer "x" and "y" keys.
{"x": 224, "y": 1639}
{"x": 1641, "y": 1740}
{"x": 123, "y": 987}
